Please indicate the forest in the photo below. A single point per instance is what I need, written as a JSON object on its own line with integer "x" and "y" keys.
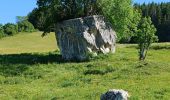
{"x": 160, "y": 15}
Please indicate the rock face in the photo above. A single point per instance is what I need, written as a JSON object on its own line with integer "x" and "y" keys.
{"x": 80, "y": 37}
{"x": 115, "y": 95}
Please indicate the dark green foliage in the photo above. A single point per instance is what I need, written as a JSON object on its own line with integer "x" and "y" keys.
{"x": 10, "y": 29}
{"x": 38, "y": 17}
{"x": 160, "y": 15}
{"x": 25, "y": 26}
{"x": 1, "y": 31}
{"x": 119, "y": 12}
{"x": 50, "y": 12}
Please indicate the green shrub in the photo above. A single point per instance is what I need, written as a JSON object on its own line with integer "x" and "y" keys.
{"x": 10, "y": 29}
{"x": 1, "y": 31}
{"x": 25, "y": 26}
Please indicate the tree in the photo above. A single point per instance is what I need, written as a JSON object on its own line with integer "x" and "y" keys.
{"x": 25, "y": 26}
{"x": 10, "y": 29}
{"x": 37, "y": 17}
{"x": 122, "y": 16}
{"x": 160, "y": 16}
{"x": 1, "y": 31}
{"x": 21, "y": 18}
{"x": 119, "y": 12}
{"x": 54, "y": 11}
{"x": 145, "y": 36}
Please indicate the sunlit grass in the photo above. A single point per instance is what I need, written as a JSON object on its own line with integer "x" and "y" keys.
{"x": 28, "y": 43}
{"x": 45, "y": 76}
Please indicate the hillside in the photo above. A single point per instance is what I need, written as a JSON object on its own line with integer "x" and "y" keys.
{"x": 27, "y": 43}
{"x": 31, "y": 68}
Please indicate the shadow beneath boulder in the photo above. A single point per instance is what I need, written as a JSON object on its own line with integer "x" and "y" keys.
{"x": 17, "y": 64}
{"x": 29, "y": 58}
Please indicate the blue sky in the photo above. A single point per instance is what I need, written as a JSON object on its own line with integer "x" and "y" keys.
{"x": 148, "y": 1}
{"x": 9, "y": 9}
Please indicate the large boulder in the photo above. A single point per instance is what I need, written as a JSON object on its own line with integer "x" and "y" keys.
{"x": 78, "y": 38}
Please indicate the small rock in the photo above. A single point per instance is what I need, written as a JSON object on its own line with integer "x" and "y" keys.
{"x": 114, "y": 94}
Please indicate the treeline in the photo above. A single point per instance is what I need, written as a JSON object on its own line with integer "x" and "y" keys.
{"x": 160, "y": 15}
{"x": 50, "y": 12}
{"x": 124, "y": 17}
{"x": 119, "y": 13}
{"x": 10, "y": 29}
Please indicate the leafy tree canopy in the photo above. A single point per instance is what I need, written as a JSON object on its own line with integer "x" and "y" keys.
{"x": 25, "y": 26}
{"x": 145, "y": 36}
{"x": 122, "y": 16}
{"x": 1, "y": 31}
{"x": 160, "y": 16}
{"x": 119, "y": 12}
{"x": 10, "y": 29}
{"x": 54, "y": 11}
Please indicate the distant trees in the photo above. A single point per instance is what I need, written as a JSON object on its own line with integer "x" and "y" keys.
{"x": 22, "y": 25}
{"x": 25, "y": 26}
{"x": 145, "y": 36}
{"x": 10, "y": 29}
{"x": 1, "y": 31}
{"x": 160, "y": 16}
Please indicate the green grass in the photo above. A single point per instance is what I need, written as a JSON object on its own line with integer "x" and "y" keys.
{"x": 27, "y": 43}
{"x": 31, "y": 68}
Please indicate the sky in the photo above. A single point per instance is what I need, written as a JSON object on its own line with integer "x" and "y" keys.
{"x": 9, "y": 9}
{"x": 148, "y": 1}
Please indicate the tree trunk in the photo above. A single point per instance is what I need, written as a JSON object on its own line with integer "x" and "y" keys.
{"x": 142, "y": 54}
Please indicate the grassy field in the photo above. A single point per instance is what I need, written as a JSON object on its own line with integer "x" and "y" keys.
{"x": 31, "y": 69}
{"x": 27, "y": 43}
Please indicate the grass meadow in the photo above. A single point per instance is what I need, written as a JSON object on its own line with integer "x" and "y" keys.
{"x": 31, "y": 68}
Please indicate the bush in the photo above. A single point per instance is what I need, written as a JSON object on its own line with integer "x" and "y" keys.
{"x": 25, "y": 26}
{"x": 1, "y": 31}
{"x": 10, "y": 29}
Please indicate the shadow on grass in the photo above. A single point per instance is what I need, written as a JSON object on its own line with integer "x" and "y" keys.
{"x": 29, "y": 58}
{"x": 17, "y": 64}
